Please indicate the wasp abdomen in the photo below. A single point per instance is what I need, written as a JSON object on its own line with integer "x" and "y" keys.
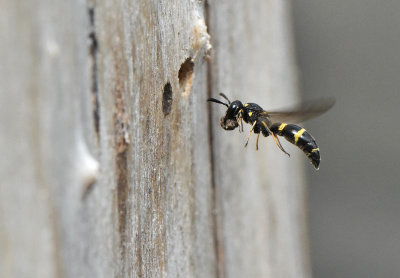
{"x": 299, "y": 137}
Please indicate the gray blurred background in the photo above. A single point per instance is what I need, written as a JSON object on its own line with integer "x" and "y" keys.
{"x": 350, "y": 49}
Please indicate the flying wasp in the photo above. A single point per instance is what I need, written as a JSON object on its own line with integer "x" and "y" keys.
{"x": 275, "y": 123}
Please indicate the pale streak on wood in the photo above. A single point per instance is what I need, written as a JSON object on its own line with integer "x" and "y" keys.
{"x": 81, "y": 101}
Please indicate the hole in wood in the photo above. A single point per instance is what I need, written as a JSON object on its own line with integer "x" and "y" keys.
{"x": 167, "y": 99}
{"x": 185, "y": 76}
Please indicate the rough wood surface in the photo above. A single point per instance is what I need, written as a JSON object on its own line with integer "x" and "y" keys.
{"x": 108, "y": 165}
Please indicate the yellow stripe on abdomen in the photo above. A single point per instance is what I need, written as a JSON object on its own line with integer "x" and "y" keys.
{"x": 298, "y": 134}
{"x": 282, "y": 126}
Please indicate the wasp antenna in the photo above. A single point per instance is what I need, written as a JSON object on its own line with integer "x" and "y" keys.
{"x": 225, "y": 97}
{"x": 217, "y": 101}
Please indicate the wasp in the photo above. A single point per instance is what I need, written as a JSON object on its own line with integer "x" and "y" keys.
{"x": 275, "y": 123}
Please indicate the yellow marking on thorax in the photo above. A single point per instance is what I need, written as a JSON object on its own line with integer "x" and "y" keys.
{"x": 250, "y": 113}
{"x": 246, "y": 104}
{"x": 298, "y": 134}
{"x": 314, "y": 150}
{"x": 282, "y": 126}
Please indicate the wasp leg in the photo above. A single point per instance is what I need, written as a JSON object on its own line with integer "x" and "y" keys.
{"x": 266, "y": 127}
{"x": 251, "y": 131}
{"x": 276, "y": 139}
{"x": 239, "y": 119}
{"x": 258, "y": 136}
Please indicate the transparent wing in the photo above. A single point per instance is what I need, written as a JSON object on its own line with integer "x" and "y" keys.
{"x": 301, "y": 112}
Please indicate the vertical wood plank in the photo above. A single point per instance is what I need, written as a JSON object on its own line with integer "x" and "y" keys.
{"x": 259, "y": 194}
{"x": 153, "y": 82}
{"x": 46, "y": 157}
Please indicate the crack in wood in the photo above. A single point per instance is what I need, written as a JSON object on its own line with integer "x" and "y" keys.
{"x": 122, "y": 184}
{"x": 93, "y": 50}
{"x": 122, "y": 197}
{"x": 123, "y": 190}
{"x": 217, "y": 232}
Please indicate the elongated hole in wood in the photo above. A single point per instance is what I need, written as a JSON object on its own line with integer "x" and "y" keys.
{"x": 167, "y": 99}
{"x": 185, "y": 76}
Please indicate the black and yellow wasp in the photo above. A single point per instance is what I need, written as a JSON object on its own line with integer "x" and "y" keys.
{"x": 274, "y": 123}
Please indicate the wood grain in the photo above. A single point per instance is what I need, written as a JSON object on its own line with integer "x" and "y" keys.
{"x": 113, "y": 163}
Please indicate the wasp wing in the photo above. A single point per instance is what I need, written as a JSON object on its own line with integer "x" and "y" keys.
{"x": 301, "y": 112}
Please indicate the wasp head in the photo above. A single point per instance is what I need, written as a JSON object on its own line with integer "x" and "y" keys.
{"x": 230, "y": 120}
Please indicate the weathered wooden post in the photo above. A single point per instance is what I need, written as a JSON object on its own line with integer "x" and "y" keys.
{"x": 114, "y": 165}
